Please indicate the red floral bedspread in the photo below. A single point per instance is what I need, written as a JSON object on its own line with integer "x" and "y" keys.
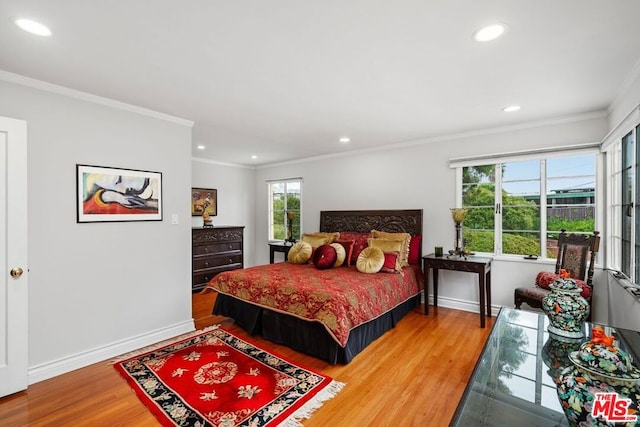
{"x": 340, "y": 298}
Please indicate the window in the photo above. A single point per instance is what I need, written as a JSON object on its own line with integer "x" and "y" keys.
{"x": 623, "y": 180}
{"x": 284, "y": 198}
{"x": 506, "y": 212}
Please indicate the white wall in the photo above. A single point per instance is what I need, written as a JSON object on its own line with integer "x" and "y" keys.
{"x": 418, "y": 177}
{"x": 236, "y": 198}
{"x": 101, "y": 288}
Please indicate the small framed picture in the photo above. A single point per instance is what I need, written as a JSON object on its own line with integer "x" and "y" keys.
{"x": 106, "y": 194}
{"x": 204, "y": 199}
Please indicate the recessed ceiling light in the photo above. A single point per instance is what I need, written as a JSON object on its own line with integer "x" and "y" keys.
{"x": 511, "y": 108}
{"x": 254, "y": 157}
{"x": 490, "y": 32}
{"x": 201, "y": 147}
{"x": 345, "y": 139}
{"x": 33, "y": 27}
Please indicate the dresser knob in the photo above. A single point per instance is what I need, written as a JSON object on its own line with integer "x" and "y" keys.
{"x": 230, "y": 261}
{"x": 206, "y": 264}
{"x": 206, "y": 278}
{"x": 230, "y": 246}
{"x": 206, "y": 249}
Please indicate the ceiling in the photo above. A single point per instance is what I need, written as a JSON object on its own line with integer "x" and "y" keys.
{"x": 285, "y": 79}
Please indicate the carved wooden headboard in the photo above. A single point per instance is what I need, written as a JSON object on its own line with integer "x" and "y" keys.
{"x": 392, "y": 221}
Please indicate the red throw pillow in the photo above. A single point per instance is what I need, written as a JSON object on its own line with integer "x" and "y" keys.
{"x": 360, "y": 242}
{"x": 414, "y": 250}
{"x": 390, "y": 261}
{"x": 324, "y": 257}
{"x": 348, "y": 249}
{"x": 544, "y": 279}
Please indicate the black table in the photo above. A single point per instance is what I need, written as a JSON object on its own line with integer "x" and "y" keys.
{"x": 471, "y": 264}
{"x": 513, "y": 382}
{"x": 278, "y": 247}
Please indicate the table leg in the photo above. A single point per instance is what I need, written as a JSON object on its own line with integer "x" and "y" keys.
{"x": 271, "y": 253}
{"x": 488, "y": 287}
{"x": 435, "y": 287}
{"x": 426, "y": 289}
{"x": 481, "y": 284}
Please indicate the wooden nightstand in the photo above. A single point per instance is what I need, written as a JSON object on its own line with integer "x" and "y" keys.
{"x": 278, "y": 247}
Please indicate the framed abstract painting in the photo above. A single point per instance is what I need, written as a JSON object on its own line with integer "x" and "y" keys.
{"x": 106, "y": 194}
{"x": 204, "y": 199}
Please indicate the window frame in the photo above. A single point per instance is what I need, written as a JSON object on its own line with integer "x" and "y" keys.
{"x": 270, "y": 211}
{"x": 539, "y": 154}
{"x": 612, "y": 147}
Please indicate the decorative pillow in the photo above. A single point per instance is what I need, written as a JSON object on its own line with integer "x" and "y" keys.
{"x": 360, "y": 241}
{"x": 316, "y": 240}
{"x": 370, "y": 260}
{"x": 348, "y": 249}
{"x": 300, "y": 253}
{"x": 405, "y": 238}
{"x": 545, "y": 278}
{"x": 324, "y": 257}
{"x": 388, "y": 246}
{"x": 414, "y": 250}
{"x": 390, "y": 262}
{"x": 341, "y": 254}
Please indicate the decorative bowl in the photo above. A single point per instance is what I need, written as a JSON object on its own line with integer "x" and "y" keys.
{"x": 608, "y": 362}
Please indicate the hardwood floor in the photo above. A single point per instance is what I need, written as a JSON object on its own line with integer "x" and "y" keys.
{"x": 414, "y": 375}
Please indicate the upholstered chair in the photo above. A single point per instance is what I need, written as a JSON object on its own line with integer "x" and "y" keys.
{"x": 576, "y": 255}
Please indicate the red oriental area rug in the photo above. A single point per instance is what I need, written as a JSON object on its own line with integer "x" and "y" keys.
{"x": 214, "y": 378}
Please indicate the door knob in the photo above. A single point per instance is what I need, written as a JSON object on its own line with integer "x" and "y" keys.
{"x": 16, "y": 272}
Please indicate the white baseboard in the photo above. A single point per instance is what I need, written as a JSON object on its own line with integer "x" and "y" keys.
{"x": 54, "y": 368}
{"x": 463, "y": 305}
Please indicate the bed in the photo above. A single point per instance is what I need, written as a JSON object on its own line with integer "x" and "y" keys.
{"x": 362, "y": 306}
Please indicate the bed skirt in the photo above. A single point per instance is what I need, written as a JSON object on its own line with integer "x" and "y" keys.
{"x": 308, "y": 337}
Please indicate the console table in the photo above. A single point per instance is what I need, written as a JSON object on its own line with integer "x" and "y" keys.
{"x": 513, "y": 382}
{"x": 471, "y": 264}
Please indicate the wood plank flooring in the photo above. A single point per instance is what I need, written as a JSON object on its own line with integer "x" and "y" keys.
{"x": 414, "y": 375}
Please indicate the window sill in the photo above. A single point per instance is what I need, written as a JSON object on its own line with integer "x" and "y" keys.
{"x": 518, "y": 258}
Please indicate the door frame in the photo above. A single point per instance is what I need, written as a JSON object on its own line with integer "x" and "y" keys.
{"x": 15, "y": 332}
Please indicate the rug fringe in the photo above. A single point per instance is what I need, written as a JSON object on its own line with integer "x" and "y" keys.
{"x": 162, "y": 344}
{"x": 310, "y": 407}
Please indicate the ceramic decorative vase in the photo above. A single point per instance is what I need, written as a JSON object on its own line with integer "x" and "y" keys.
{"x": 565, "y": 308}
{"x": 598, "y": 369}
{"x": 555, "y": 353}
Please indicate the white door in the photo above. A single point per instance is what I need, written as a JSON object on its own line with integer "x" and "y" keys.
{"x": 13, "y": 256}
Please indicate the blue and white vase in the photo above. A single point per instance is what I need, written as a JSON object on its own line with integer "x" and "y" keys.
{"x": 565, "y": 308}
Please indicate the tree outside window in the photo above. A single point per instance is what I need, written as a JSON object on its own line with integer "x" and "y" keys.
{"x": 507, "y": 215}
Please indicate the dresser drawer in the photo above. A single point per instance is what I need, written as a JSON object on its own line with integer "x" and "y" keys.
{"x": 201, "y": 278}
{"x": 205, "y": 262}
{"x": 215, "y": 248}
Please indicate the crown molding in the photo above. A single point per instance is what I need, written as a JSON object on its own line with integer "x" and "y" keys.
{"x": 451, "y": 137}
{"x": 84, "y": 96}
{"x": 217, "y": 163}
{"x": 632, "y": 77}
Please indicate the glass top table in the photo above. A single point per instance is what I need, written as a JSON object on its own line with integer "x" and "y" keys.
{"x": 513, "y": 382}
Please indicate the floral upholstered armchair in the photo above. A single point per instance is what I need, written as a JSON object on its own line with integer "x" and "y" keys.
{"x": 576, "y": 256}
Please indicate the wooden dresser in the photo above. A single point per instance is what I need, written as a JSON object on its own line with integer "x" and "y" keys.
{"x": 215, "y": 250}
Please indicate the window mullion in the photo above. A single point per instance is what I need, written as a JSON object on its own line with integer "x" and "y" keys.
{"x": 634, "y": 199}
{"x": 498, "y": 210}
{"x": 543, "y": 208}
